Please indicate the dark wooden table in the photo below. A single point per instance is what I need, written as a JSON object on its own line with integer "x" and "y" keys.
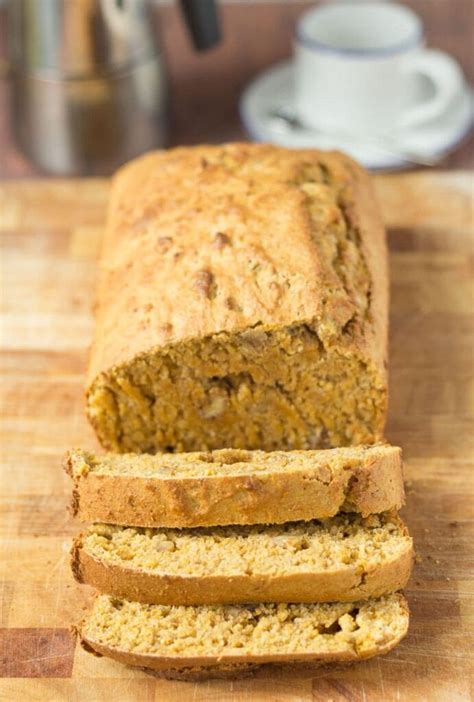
{"x": 205, "y": 88}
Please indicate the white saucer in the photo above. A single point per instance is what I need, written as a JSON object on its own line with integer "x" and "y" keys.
{"x": 273, "y": 89}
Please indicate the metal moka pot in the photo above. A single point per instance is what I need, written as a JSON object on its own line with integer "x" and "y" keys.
{"x": 88, "y": 80}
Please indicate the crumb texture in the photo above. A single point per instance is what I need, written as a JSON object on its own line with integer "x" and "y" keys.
{"x": 343, "y": 542}
{"x": 242, "y": 302}
{"x": 226, "y": 462}
{"x": 210, "y": 632}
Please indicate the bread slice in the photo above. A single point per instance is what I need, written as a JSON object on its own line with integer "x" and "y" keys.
{"x": 167, "y": 638}
{"x": 344, "y": 558}
{"x": 233, "y": 486}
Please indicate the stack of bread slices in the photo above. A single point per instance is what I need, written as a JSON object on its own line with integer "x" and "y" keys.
{"x": 210, "y": 564}
{"x": 242, "y": 302}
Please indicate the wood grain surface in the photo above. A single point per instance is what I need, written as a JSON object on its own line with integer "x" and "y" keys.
{"x": 51, "y": 232}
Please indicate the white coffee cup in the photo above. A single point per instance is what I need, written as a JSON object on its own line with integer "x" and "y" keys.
{"x": 357, "y": 64}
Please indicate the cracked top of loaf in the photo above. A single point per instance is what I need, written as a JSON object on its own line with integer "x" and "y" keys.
{"x": 214, "y": 239}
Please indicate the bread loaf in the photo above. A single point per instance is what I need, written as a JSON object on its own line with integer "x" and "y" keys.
{"x": 345, "y": 558}
{"x": 242, "y": 302}
{"x": 167, "y": 638}
{"x": 231, "y": 486}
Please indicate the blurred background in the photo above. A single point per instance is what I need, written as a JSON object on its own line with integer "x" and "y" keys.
{"x": 201, "y": 90}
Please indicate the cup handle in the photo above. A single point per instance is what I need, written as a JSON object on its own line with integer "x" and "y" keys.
{"x": 447, "y": 78}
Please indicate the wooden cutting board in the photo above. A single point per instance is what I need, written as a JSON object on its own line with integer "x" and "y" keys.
{"x": 51, "y": 232}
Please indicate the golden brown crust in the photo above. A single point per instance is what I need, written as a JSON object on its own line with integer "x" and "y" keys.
{"x": 197, "y": 185}
{"x": 249, "y": 239}
{"x": 76, "y": 558}
{"x": 364, "y": 214}
{"x": 369, "y": 484}
{"x": 344, "y": 585}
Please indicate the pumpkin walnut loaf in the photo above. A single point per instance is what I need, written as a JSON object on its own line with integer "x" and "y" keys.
{"x": 242, "y": 302}
{"x": 176, "y": 639}
{"x": 345, "y": 558}
{"x": 233, "y": 486}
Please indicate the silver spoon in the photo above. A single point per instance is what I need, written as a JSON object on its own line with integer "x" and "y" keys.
{"x": 285, "y": 122}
